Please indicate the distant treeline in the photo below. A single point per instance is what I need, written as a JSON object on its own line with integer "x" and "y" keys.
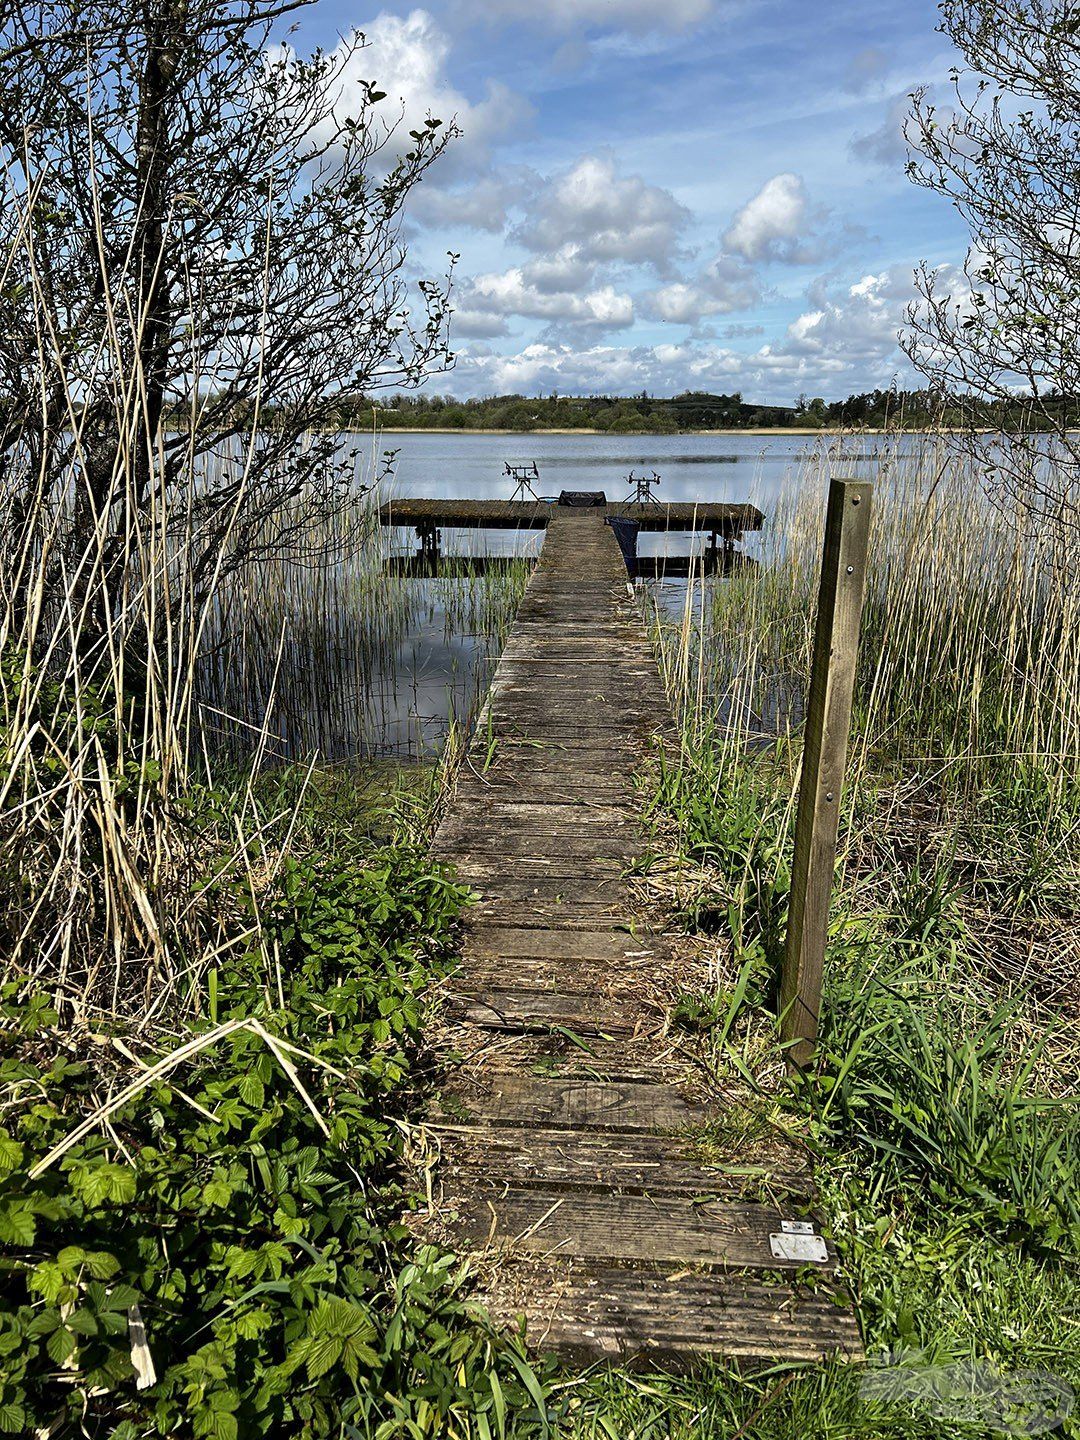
{"x": 639, "y": 414}
{"x": 693, "y": 410}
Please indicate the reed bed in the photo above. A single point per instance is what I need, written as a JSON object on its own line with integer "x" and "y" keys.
{"x": 96, "y": 851}
{"x": 332, "y": 655}
{"x": 965, "y": 758}
{"x": 970, "y": 639}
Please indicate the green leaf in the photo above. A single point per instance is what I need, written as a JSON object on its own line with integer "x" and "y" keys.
{"x": 499, "y": 1401}
{"x": 13, "y": 1418}
{"x": 61, "y": 1345}
{"x": 532, "y": 1385}
{"x": 252, "y": 1091}
{"x": 216, "y": 1425}
{"x": 101, "y": 1264}
{"x": 322, "y": 1352}
{"x": 120, "y": 1297}
{"x": 11, "y": 1154}
{"x": 83, "y": 1322}
{"x": 96, "y": 1184}
{"x": 218, "y": 1192}
{"x": 44, "y": 1322}
{"x": 47, "y": 1280}
{"x": 17, "y": 1225}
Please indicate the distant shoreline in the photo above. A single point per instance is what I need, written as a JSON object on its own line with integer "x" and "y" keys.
{"x": 641, "y": 434}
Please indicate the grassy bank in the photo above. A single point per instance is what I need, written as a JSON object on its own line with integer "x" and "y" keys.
{"x": 943, "y": 1103}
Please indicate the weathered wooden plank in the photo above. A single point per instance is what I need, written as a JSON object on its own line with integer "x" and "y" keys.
{"x": 606, "y": 1226}
{"x": 556, "y": 911}
{"x": 550, "y": 787}
{"x": 580, "y": 816}
{"x": 553, "y": 916}
{"x": 556, "y": 1054}
{"x": 581, "y": 1104}
{"x": 477, "y": 975}
{"x": 638, "y": 1318}
{"x": 634, "y": 1164}
{"x": 522, "y": 844}
{"x": 539, "y": 1010}
{"x": 497, "y": 863}
{"x": 593, "y": 885}
{"x": 508, "y": 942}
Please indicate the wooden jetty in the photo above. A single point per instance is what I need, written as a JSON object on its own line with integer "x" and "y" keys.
{"x": 584, "y": 1163}
{"x": 728, "y": 520}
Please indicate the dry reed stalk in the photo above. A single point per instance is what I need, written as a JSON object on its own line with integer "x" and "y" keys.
{"x": 967, "y": 706}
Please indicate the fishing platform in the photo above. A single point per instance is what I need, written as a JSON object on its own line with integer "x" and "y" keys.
{"x": 724, "y": 524}
{"x": 599, "y": 1178}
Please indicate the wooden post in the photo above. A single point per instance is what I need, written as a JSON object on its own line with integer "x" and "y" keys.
{"x": 828, "y": 722}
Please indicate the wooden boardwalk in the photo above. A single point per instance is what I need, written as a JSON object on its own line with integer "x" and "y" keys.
{"x": 576, "y": 1141}
{"x": 723, "y": 518}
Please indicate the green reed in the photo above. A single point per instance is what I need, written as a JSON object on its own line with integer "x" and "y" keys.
{"x": 342, "y": 656}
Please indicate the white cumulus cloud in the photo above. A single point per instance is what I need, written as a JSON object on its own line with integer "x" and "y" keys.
{"x": 843, "y": 342}
{"x": 781, "y": 223}
{"x": 726, "y": 284}
{"x": 479, "y": 202}
{"x": 406, "y": 57}
{"x": 521, "y": 291}
{"x": 771, "y": 225}
{"x": 604, "y": 214}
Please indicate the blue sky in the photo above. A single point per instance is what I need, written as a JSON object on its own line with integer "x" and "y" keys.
{"x": 667, "y": 194}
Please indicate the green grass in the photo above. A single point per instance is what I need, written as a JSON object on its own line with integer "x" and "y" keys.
{"x": 942, "y": 1107}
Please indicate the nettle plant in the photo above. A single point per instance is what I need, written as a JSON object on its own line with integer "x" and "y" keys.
{"x": 243, "y": 1209}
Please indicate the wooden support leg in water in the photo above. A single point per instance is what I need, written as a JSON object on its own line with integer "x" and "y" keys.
{"x": 828, "y": 722}
{"x": 430, "y": 537}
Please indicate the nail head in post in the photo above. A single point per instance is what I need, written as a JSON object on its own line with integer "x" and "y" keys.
{"x": 851, "y": 569}
{"x": 829, "y": 796}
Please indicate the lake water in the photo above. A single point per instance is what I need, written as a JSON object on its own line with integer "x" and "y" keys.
{"x": 729, "y": 468}
{"x": 335, "y": 694}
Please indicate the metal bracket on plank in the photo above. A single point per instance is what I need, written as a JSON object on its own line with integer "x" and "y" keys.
{"x": 797, "y": 1241}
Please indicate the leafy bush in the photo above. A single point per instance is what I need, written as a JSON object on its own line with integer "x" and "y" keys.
{"x": 255, "y": 1249}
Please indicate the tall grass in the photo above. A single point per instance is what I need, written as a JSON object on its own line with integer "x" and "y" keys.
{"x": 966, "y": 726}
{"x": 971, "y": 632}
{"x": 943, "y": 1099}
{"x": 341, "y": 657}
{"x": 100, "y": 825}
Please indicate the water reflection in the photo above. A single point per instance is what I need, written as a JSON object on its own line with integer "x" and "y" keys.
{"x": 346, "y": 661}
